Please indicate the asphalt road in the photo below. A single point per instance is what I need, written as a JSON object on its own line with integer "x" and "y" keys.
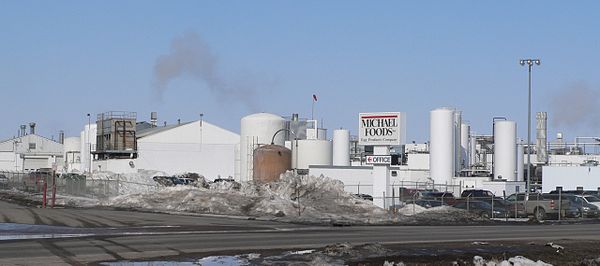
{"x": 136, "y": 235}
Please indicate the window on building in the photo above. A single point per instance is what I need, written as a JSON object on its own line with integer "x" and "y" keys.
{"x": 32, "y": 146}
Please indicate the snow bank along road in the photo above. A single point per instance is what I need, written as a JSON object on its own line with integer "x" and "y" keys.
{"x": 120, "y": 235}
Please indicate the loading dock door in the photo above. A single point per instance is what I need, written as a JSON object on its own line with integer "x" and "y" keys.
{"x": 32, "y": 164}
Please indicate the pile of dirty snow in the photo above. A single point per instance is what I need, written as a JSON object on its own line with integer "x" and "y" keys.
{"x": 518, "y": 260}
{"x": 128, "y": 183}
{"x": 307, "y": 198}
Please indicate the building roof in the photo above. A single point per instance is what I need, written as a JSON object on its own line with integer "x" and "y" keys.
{"x": 24, "y": 136}
{"x": 144, "y": 132}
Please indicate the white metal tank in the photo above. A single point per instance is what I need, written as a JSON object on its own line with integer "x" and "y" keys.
{"x": 257, "y": 129}
{"x": 473, "y": 148}
{"x": 341, "y": 147}
{"x": 88, "y": 145}
{"x": 465, "y": 150}
{"x": 311, "y": 152}
{"x": 441, "y": 156}
{"x": 72, "y": 153}
{"x": 520, "y": 161}
{"x": 505, "y": 150}
{"x": 457, "y": 146}
{"x": 72, "y": 144}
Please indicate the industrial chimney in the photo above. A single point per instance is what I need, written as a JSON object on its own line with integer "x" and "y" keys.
{"x": 153, "y": 118}
{"x": 23, "y": 130}
{"x": 542, "y": 137}
{"x": 61, "y": 137}
{"x": 32, "y": 128}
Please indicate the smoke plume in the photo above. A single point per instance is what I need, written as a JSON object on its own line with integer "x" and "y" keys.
{"x": 191, "y": 56}
{"x": 577, "y": 106}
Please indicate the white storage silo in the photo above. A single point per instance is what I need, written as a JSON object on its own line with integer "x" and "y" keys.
{"x": 472, "y": 148}
{"x": 457, "y": 144}
{"x": 505, "y": 150}
{"x": 72, "y": 153}
{"x": 441, "y": 157}
{"x": 520, "y": 162}
{"x": 257, "y": 129}
{"x": 341, "y": 147}
{"x": 311, "y": 152}
{"x": 464, "y": 146}
{"x": 88, "y": 146}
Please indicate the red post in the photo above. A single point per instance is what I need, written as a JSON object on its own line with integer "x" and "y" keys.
{"x": 53, "y": 188}
{"x": 45, "y": 191}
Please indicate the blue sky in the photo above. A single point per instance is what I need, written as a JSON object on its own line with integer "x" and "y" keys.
{"x": 63, "y": 59}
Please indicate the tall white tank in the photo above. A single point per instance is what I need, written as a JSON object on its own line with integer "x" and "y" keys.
{"x": 505, "y": 150}
{"x": 520, "y": 161}
{"x": 457, "y": 142}
{"x": 72, "y": 153}
{"x": 464, "y": 146}
{"x": 311, "y": 152}
{"x": 88, "y": 145}
{"x": 257, "y": 129}
{"x": 473, "y": 148}
{"x": 341, "y": 147}
{"x": 441, "y": 156}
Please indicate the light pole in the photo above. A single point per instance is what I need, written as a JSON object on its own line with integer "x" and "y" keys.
{"x": 529, "y": 63}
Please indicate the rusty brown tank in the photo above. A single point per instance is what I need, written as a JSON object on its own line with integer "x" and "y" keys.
{"x": 270, "y": 161}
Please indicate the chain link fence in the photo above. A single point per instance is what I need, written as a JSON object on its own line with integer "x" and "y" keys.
{"x": 71, "y": 185}
{"x": 546, "y": 206}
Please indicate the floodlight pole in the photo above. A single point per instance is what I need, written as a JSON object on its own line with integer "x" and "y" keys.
{"x": 529, "y": 63}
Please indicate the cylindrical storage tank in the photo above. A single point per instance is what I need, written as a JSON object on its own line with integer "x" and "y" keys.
{"x": 441, "y": 146}
{"x": 457, "y": 147}
{"x": 269, "y": 162}
{"x": 341, "y": 147}
{"x": 257, "y": 129}
{"x": 505, "y": 150}
{"x": 307, "y": 152}
{"x": 473, "y": 148}
{"x": 464, "y": 146}
{"x": 520, "y": 162}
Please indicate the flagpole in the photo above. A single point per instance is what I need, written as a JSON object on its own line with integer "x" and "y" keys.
{"x": 312, "y": 113}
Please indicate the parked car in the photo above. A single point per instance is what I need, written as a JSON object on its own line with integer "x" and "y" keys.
{"x": 579, "y": 206}
{"x": 514, "y": 209}
{"x": 579, "y": 192}
{"x": 428, "y": 203}
{"x": 3, "y": 179}
{"x": 590, "y": 199}
{"x": 364, "y": 196}
{"x": 482, "y": 208}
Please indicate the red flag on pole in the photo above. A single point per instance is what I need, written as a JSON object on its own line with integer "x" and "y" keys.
{"x": 315, "y": 97}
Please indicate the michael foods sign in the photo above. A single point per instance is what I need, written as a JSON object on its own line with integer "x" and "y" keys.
{"x": 381, "y": 128}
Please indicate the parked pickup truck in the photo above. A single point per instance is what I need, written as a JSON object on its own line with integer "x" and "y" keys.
{"x": 541, "y": 206}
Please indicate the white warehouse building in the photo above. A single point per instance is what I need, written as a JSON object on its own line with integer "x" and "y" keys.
{"x": 30, "y": 152}
{"x": 197, "y": 146}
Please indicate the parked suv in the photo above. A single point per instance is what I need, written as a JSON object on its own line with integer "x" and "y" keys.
{"x": 445, "y": 198}
{"x": 477, "y": 193}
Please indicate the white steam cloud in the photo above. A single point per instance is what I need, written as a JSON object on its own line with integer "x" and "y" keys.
{"x": 191, "y": 56}
{"x": 577, "y": 106}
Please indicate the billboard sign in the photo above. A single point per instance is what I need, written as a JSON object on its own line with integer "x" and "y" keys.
{"x": 385, "y": 129}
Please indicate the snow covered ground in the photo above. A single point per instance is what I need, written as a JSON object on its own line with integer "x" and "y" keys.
{"x": 303, "y": 199}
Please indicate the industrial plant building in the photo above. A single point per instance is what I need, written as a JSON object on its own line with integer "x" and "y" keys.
{"x": 454, "y": 158}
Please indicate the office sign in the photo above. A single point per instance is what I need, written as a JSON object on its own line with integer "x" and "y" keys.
{"x": 379, "y": 159}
